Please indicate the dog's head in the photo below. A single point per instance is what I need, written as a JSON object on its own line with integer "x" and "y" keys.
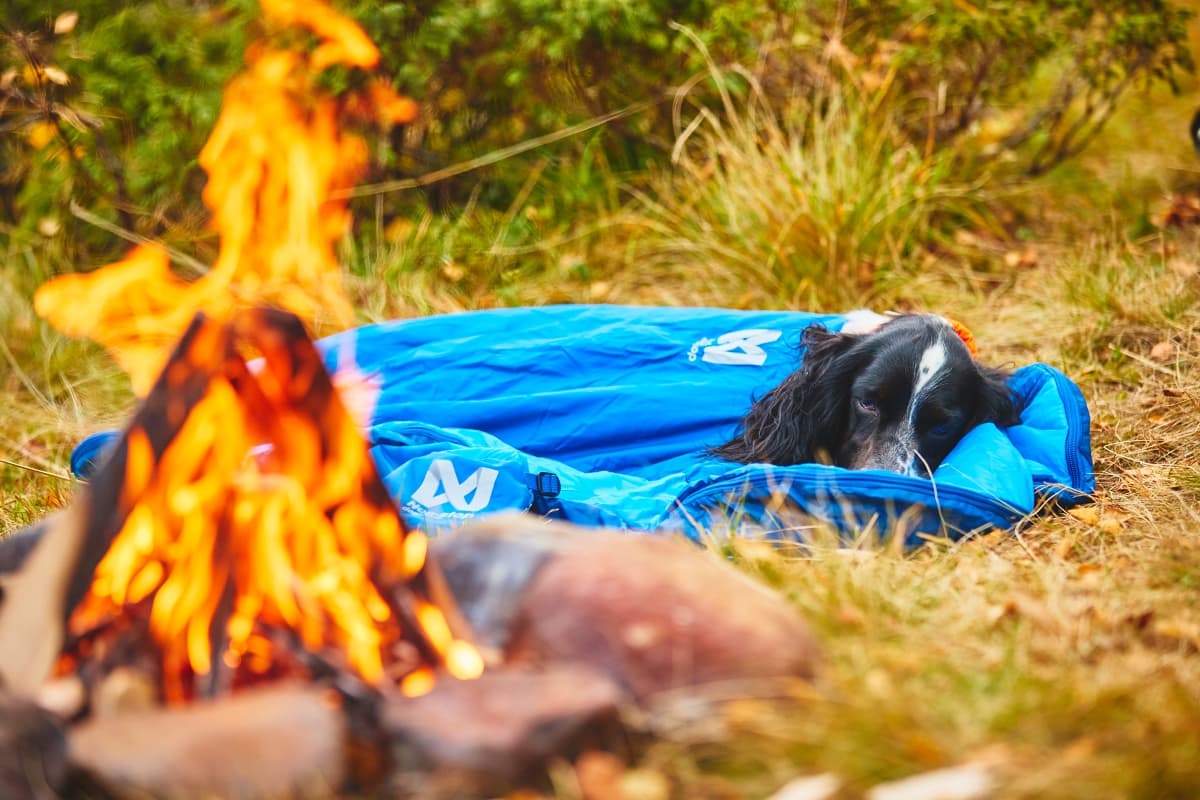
{"x": 897, "y": 398}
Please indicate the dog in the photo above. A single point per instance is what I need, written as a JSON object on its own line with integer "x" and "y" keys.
{"x": 897, "y": 397}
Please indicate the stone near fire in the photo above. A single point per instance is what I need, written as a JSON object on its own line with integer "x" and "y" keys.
{"x": 485, "y": 736}
{"x": 654, "y": 613}
{"x": 274, "y": 742}
{"x": 33, "y": 750}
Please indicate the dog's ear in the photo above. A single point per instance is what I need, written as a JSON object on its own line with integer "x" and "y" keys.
{"x": 804, "y": 418}
{"x": 997, "y": 402}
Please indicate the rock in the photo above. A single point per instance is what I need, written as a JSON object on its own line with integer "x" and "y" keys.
{"x": 15, "y": 547}
{"x": 658, "y": 614}
{"x": 484, "y": 736}
{"x": 260, "y": 743}
{"x": 654, "y": 613}
{"x": 33, "y": 751}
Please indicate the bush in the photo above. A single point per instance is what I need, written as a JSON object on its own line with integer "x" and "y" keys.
{"x": 1034, "y": 78}
{"x": 121, "y": 131}
{"x": 122, "y": 135}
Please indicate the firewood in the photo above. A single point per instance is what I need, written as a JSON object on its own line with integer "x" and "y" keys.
{"x": 33, "y": 604}
{"x": 485, "y": 736}
{"x": 259, "y": 743}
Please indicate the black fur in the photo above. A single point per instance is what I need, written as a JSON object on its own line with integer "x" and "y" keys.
{"x": 812, "y": 415}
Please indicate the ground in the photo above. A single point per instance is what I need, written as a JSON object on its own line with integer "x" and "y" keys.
{"x": 1064, "y": 654}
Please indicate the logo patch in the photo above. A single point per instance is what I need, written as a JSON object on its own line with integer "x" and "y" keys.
{"x": 441, "y": 485}
{"x": 736, "y": 347}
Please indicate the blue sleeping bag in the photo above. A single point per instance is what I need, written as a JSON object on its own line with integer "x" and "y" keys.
{"x": 601, "y": 415}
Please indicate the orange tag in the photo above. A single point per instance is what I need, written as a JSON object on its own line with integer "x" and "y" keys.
{"x": 965, "y": 335}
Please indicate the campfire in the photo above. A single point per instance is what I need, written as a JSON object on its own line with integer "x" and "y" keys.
{"x": 240, "y": 523}
{"x": 255, "y": 528}
{"x": 238, "y": 562}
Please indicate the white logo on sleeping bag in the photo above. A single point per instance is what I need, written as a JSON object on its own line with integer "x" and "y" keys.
{"x": 735, "y": 347}
{"x": 441, "y": 485}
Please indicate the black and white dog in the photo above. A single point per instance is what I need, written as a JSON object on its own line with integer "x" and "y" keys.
{"x": 898, "y": 397}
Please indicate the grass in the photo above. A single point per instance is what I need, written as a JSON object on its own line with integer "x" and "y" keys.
{"x": 1065, "y": 655}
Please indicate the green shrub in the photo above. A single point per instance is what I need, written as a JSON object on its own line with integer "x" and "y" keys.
{"x": 144, "y": 90}
{"x": 1012, "y": 82}
{"x": 1036, "y": 77}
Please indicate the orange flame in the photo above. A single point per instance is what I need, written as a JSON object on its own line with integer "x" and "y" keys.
{"x": 276, "y": 161}
{"x": 261, "y": 516}
{"x": 300, "y": 535}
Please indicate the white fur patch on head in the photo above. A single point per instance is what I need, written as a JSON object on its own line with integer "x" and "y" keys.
{"x": 862, "y": 320}
{"x": 932, "y": 362}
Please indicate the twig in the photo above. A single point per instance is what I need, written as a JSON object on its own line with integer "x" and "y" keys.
{"x": 494, "y": 157}
{"x": 28, "y": 468}
{"x": 177, "y": 256}
{"x": 1146, "y": 362}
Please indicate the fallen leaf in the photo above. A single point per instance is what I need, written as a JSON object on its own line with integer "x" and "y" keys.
{"x": 1110, "y": 520}
{"x": 1164, "y": 351}
{"x": 1065, "y": 546}
{"x": 65, "y": 22}
{"x": 1112, "y": 523}
{"x": 55, "y": 75}
{"x": 1026, "y": 258}
{"x": 1089, "y": 515}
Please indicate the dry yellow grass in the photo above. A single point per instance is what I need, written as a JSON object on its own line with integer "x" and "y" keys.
{"x": 1066, "y": 656}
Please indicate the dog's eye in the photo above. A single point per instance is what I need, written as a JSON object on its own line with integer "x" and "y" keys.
{"x": 866, "y": 406}
{"x": 940, "y": 429}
